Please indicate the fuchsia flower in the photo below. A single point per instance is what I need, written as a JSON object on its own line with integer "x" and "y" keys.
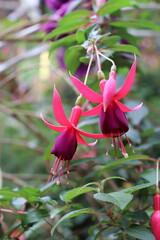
{"x": 113, "y": 122}
{"x": 66, "y": 143}
{"x": 155, "y": 218}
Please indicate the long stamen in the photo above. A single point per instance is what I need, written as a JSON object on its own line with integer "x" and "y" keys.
{"x": 130, "y": 145}
{"x": 98, "y": 59}
{"x": 55, "y": 167}
{"x": 114, "y": 144}
{"x": 67, "y": 174}
{"x": 125, "y": 154}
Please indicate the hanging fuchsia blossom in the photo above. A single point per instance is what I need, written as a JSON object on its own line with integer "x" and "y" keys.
{"x": 155, "y": 218}
{"x": 66, "y": 143}
{"x": 113, "y": 122}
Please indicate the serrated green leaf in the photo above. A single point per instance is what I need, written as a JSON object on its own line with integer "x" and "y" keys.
{"x": 78, "y": 191}
{"x": 73, "y": 16}
{"x": 118, "y": 198}
{"x": 80, "y": 36}
{"x": 72, "y": 56}
{"x": 121, "y": 161}
{"x": 125, "y": 48}
{"x": 110, "y": 41}
{"x": 66, "y": 28}
{"x": 112, "y": 6}
{"x": 71, "y": 215}
{"x": 66, "y": 41}
{"x": 136, "y": 24}
{"x": 136, "y": 188}
{"x": 140, "y": 232}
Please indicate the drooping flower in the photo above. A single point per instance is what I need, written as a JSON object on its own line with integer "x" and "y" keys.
{"x": 155, "y": 218}
{"x": 113, "y": 122}
{"x": 66, "y": 143}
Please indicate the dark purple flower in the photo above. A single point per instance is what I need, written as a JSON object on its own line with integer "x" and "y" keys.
{"x": 49, "y": 27}
{"x": 55, "y": 4}
{"x": 113, "y": 121}
{"x": 65, "y": 145}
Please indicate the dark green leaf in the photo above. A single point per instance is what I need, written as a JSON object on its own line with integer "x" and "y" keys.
{"x": 137, "y": 215}
{"x": 78, "y": 191}
{"x": 135, "y": 24}
{"x": 73, "y": 16}
{"x": 66, "y": 29}
{"x": 125, "y": 48}
{"x": 150, "y": 175}
{"x": 140, "y": 232}
{"x": 34, "y": 216}
{"x": 112, "y": 6}
{"x": 118, "y": 198}
{"x": 66, "y": 41}
{"x": 136, "y": 188}
{"x": 71, "y": 215}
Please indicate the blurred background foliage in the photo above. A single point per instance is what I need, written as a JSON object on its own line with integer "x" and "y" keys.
{"x": 27, "y": 77}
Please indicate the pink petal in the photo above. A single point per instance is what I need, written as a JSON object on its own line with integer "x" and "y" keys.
{"x": 94, "y": 111}
{"x": 86, "y": 91}
{"x": 126, "y": 109}
{"x": 53, "y": 127}
{"x": 58, "y": 109}
{"x": 81, "y": 141}
{"x": 128, "y": 82}
{"x": 109, "y": 92}
{"x": 92, "y": 135}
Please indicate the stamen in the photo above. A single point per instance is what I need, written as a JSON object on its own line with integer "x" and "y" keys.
{"x": 129, "y": 143}
{"x": 67, "y": 173}
{"x": 125, "y": 154}
{"x": 55, "y": 167}
{"x": 107, "y": 148}
{"x": 114, "y": 144}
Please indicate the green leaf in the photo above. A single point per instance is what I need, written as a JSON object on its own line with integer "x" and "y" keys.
{"x": 140, "y": 232}
{"x": 125, "y": 48}
{"x": 136, "y": 188}
{"x": 122, "y": 161}
{"x": 34, "y": 216}
{"x": 135, "y": 24}
{"x": 78, "y": 191}
{"x": 118, "y": 198}
{"x": 66, "y": 41}
{"x": 110, "y": 41}
{"x": 112, "y": 6}
{"x": 72, "y": 56}
{"x": 56, "y": 211}
{"x": 71, "y": 215}
{"x": 137, "y": 215}
{"x": 73, "y": 16}
{"x": 80, "y": 36}
{"x": 150, "y": 175}
{"x": 66, "y": 29}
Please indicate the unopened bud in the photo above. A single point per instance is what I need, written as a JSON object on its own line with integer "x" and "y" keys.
{"x": 79, "y": 100}
{"x": 113, "y": 68}
{"x": 100, "y": 75}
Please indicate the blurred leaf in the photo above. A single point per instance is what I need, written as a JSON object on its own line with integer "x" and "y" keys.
{"x": 112, "y": 6}
{"x": 140, "y": 232}
{"x": 65, "y": 41}
{"x": 110, "y": 41}
{"x": 122, "y": 160}
{"x": 78, "y": 191}
{"x": 137, "y": 215}
{"x": 80, "y": 36}
{"x": 72, "y": 56}
{"x": 150, "y": 175}
{"x": 66, "y": 29}
{"x": 136, "y": 188}
{"x": 56, "y": 211}
{"x": 34, "y": 216}
{"x": 125, "y": 48}
{"x": 135, "y": 24}
{"x": 71, "y": 215}
{"x": 73, "y": 16}
{"x": 118, "y": 198}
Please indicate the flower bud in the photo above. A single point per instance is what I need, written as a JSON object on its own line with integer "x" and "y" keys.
{"x": 100, "y": 75}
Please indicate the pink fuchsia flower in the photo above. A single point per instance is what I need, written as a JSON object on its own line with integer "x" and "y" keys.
{"x": 66, "y": 143}
{"x": 113, "y": 122}
{"x": 155, "y": 218}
